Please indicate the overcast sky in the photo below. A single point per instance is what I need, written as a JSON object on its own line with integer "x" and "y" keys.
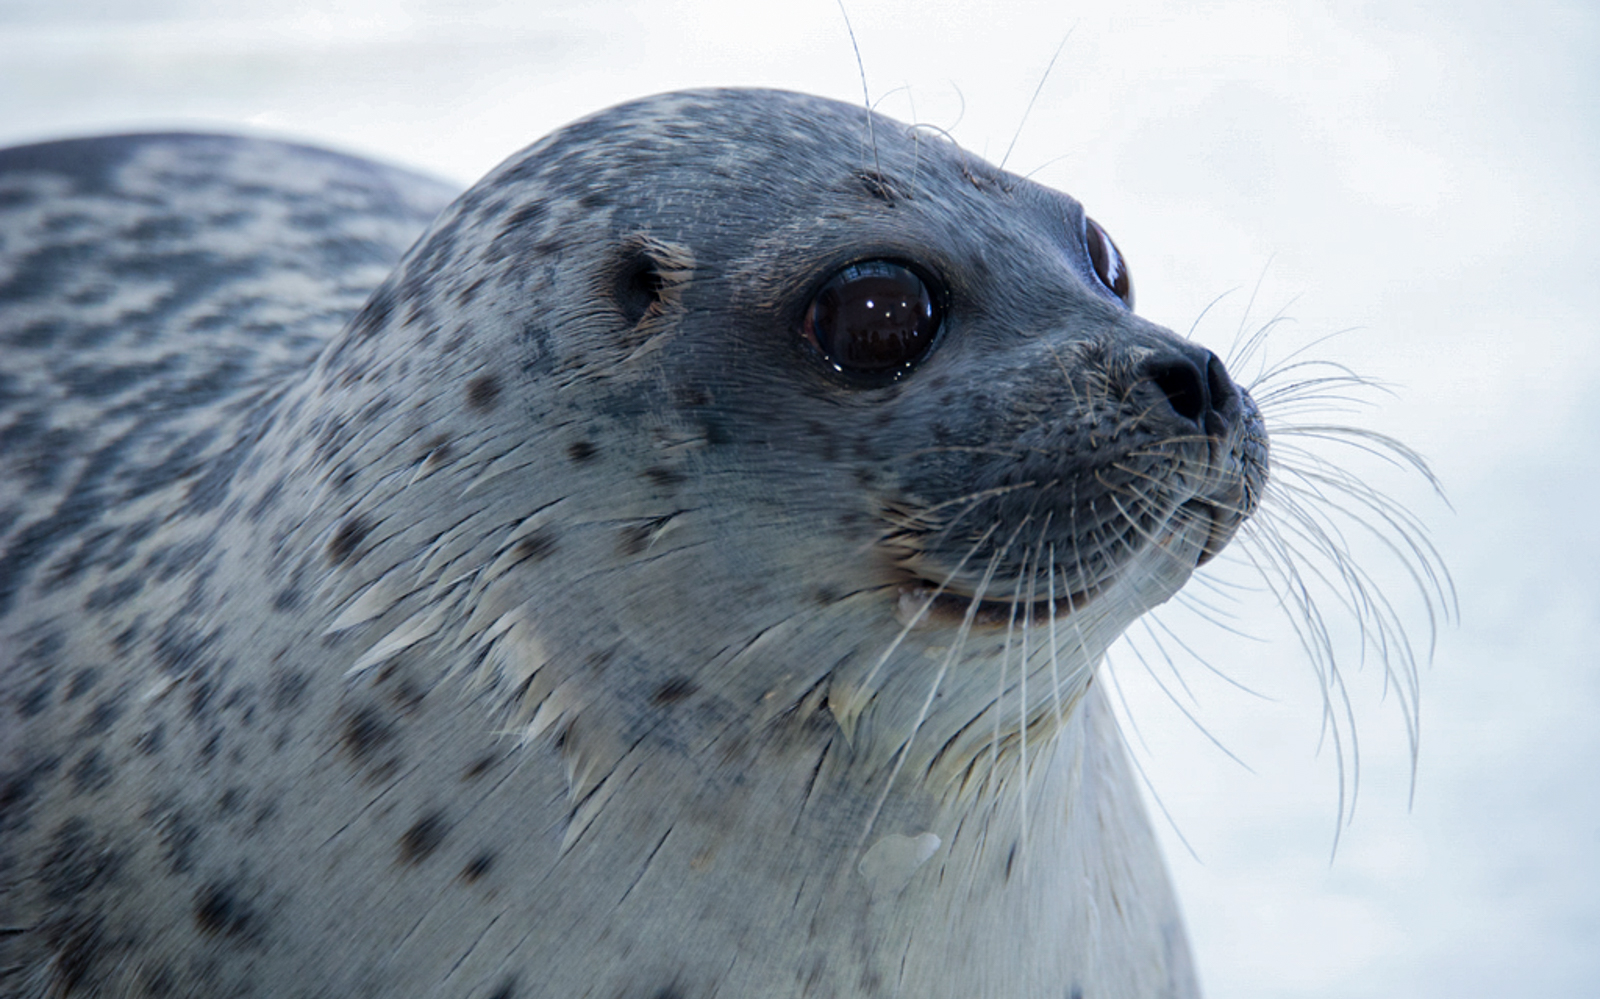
{"x": 1420, "y": 179}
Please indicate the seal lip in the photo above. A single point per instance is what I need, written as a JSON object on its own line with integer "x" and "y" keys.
{"x": 946, "y": 608}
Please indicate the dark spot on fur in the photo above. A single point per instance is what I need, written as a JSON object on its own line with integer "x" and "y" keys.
{"x": 151, "y": 740}
{"x": 530, "y": 214}
{"x": 231, "y": 800}
{"x": 482, "y": 393}
{"x": 345, "y": 541}
{"x": 113, "y": 594}
{"x": 218, "y": 909}
{"x": 467, "y": 294}
{"x": 18, "y": 788}
{"x": 100, "y": 719}
{"x": 400, "y": 688}
{"x": 664, "y": 477}
{"x": 263, "y": 815}
{"x": 825, "y": 597}
{"x": 1011, "y": 856}
{"x": 582, "y": 452}
{"x": 82, "y": 682}
{"x": 714, "y": 429}
{"x": 345, "y": 477}
{"x": 693, "y": 396}
{"x": 673, "y": 691}
{"x": 37, "y": 699}
{"x": 376, "y": 313}
{"x": 477, "y": 867}
{"x": 286, "y": 599}
{"x": 124, "y": 639}
{"x": 365, "y": 732}
{"x": 76, "y": 862}
{"x": 826, "y": 442}
{"x": 480, "y": 768}
{"x": 178, "y": 837}
{"x": 91, "y": 773}
{"x": 536, "y": 547}
{"x": 200, "y": 694}
{"x": 424, "y": 837}
{"x": 287, "y": 689}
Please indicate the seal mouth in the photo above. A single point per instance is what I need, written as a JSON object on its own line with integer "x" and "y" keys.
{"x": 924, "y": 603}
{"x": 1221, "y": 531}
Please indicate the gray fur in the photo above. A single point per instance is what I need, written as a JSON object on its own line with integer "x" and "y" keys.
{"x": 558, "y": 623}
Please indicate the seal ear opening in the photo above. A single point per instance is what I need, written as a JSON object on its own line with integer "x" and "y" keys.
{"x": 649, "y": 277}
{"x": 638, "y": 288}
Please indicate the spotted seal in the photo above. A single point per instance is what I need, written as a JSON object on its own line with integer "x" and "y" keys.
{"x": 681, "y": 573}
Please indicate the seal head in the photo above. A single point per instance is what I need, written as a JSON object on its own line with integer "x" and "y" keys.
{"x": 685, "y": 575}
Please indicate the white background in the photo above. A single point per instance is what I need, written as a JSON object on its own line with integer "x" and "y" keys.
{"x": 1420, "y": 176}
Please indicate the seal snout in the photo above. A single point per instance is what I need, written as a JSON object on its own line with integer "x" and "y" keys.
{"x": 1196, "y": 386}
{"x": 1199, "y": 400}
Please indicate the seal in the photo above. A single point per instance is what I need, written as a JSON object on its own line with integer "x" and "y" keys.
{"x": 682, "y": 573}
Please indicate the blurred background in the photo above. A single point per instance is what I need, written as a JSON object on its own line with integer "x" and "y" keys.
{"x": 1411, "y": 188}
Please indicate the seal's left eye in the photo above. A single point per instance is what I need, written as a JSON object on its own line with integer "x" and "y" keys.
{"x": 1109, "y": 266}
{"x": 876, "y": 318}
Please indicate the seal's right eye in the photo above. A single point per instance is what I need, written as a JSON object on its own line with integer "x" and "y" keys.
{"x": 875, "y": 319}
{"x": 1109, "y": 266}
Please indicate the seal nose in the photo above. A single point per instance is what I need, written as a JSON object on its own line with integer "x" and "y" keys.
{"x": 1196, "y": 386}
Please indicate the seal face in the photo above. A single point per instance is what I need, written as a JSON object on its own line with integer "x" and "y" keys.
{"x": 684, "y": 575}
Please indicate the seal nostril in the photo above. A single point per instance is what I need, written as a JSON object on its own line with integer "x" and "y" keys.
{"x": 1185, "y": 388}
{"x": 1223, "y": 394}
{"x": 1225, "y": 407}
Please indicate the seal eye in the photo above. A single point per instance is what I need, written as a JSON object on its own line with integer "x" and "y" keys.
{"x": 1109, "y": 266}
{"x": 876, "y": 318}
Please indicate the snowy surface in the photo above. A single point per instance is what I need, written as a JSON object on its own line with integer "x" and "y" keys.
{"x": 1419, "y": 178}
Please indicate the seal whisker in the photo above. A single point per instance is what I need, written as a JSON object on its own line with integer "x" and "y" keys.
{"x": 1274, "y": 559}
{"x": 866, "y": 97}
{"x": 858, "y": 700}
{"x": 933, "y": 692}
{"x": 1155, "y": 621}
{"x": 1037, "y": 90}
{"x": 1178, "y": 702}
{"x": 1376, "y": 617}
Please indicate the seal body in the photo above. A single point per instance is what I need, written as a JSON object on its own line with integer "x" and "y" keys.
{"x": 577, "y": 604}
